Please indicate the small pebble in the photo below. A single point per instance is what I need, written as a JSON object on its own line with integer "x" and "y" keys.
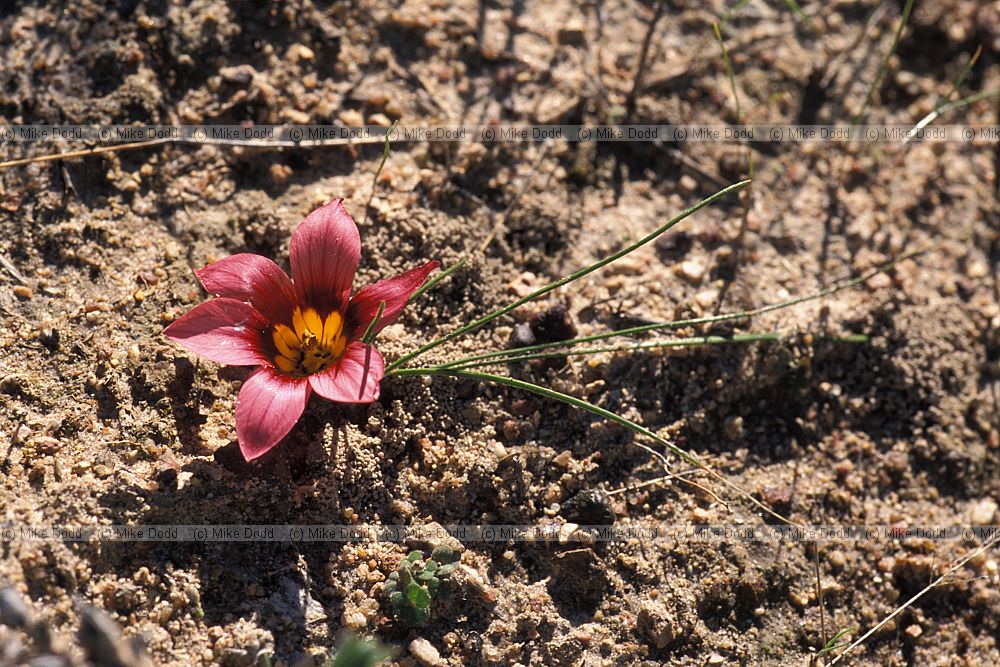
{"x": 521, "y": 336}
{"x": 23, "y": 292}
{"x": 691, "y": 270}
{"x": 982, "y": 512}
{"x": 425, "y": 652}
{"x": 553, "y": 325}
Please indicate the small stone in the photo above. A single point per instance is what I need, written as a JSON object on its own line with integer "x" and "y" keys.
{"x": 707, "y": 298}
{"x": 432, "y": 536}
{"x": 977, "y": 269}
{"x": 295, "y": 116}
{"x": 879, "y": 281}
{"x": 779, "y": 498}
{"x": 301, "y": 52}
{"x": 354, "y": 620}
{"x": 914, "y": 631}
{"x": 798, "y": 599}
{"x": 23, "y": 292}
{"x": 733, "y": 427}
{"x": 588, "y": 508}
{"x": 553, "y": 325}
{"x": 240, "y": 74}
{"x": 687, "y": 184}
{"x": 522, "y": 407}
{"x": 424, "y": 652}
{"x": 674, "y": 243}
{"x": 563, "y": 459}
{"x": 521, "y": 336}
{"x": 691, "y": 270}
{"x": 658, "y": 624}
{"x": 982, "y": 512}
{"x": 280, "y": 173}
{"x": 379, "y": 119}
{"x": 351, "y": 118}
{"x": 716, "y": 659}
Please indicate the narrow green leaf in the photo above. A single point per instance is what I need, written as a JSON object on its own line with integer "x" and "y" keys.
{"x": 436, "y": 279}
{"x": 676, "y": 324}
{"x": 559, "y": 396}
{"x": 369, "y": 336}
{"x": 567, "y": 279}
{"x": 729, "y": 70}
{"x": 907, "y": 8}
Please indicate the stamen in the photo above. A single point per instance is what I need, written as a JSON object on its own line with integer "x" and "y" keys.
{"x": 311, "y": 344}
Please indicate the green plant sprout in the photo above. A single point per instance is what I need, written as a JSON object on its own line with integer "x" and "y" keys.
{"x": 835, "y": 641}
{"x": 357, "y": 652}
{"x": 413, "y": 587}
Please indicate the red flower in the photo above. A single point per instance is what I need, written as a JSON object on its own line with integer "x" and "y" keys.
{"x": 303, "y": 333}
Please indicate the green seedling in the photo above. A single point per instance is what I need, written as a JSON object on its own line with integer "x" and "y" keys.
{"x": 413, "y": 587}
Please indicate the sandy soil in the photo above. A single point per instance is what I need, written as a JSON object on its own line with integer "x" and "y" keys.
{"x": 102, "y": 420}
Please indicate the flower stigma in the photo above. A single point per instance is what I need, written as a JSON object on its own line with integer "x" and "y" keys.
{"x": 311, "y": 344}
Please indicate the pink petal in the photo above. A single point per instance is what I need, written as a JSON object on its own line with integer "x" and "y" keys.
{"x": 267, "y": 408}
{"x": 354, "y": 378}
{"x": 222, "y": 330}
{"x": 253, "y": 278}
{"x": 325, "y": 251}
{"x": 394, "y": 291}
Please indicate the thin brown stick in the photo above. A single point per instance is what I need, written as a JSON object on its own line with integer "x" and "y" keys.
{"x": 937, "y": 582}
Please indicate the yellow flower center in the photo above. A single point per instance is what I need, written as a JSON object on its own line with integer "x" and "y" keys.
{"x": 311, "y": 344}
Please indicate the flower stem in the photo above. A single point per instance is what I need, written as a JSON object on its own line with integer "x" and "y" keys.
{"x": 567, "y": 279}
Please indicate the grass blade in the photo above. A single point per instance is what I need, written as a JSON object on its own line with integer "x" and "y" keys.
{"x": 567, "y": 279}
{"x": 729, "y": 69}
{"x": 587, "y": 406}
{"x": 561, "y": 397}
{"x": 436, "y": 279}
{"x": 664, "y": 326}
{"x": 907, "y": 8}
{"x": 690, "y": 341}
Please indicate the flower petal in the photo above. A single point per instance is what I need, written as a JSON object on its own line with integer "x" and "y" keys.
{"x": 252, "y": 278}
{"x": 394, "y": 291}
{"x": 354, "y": 378}
{"x": 325, "y": 252}
{"x": 222, "y": 330}
{"x": 267, "y": 408}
